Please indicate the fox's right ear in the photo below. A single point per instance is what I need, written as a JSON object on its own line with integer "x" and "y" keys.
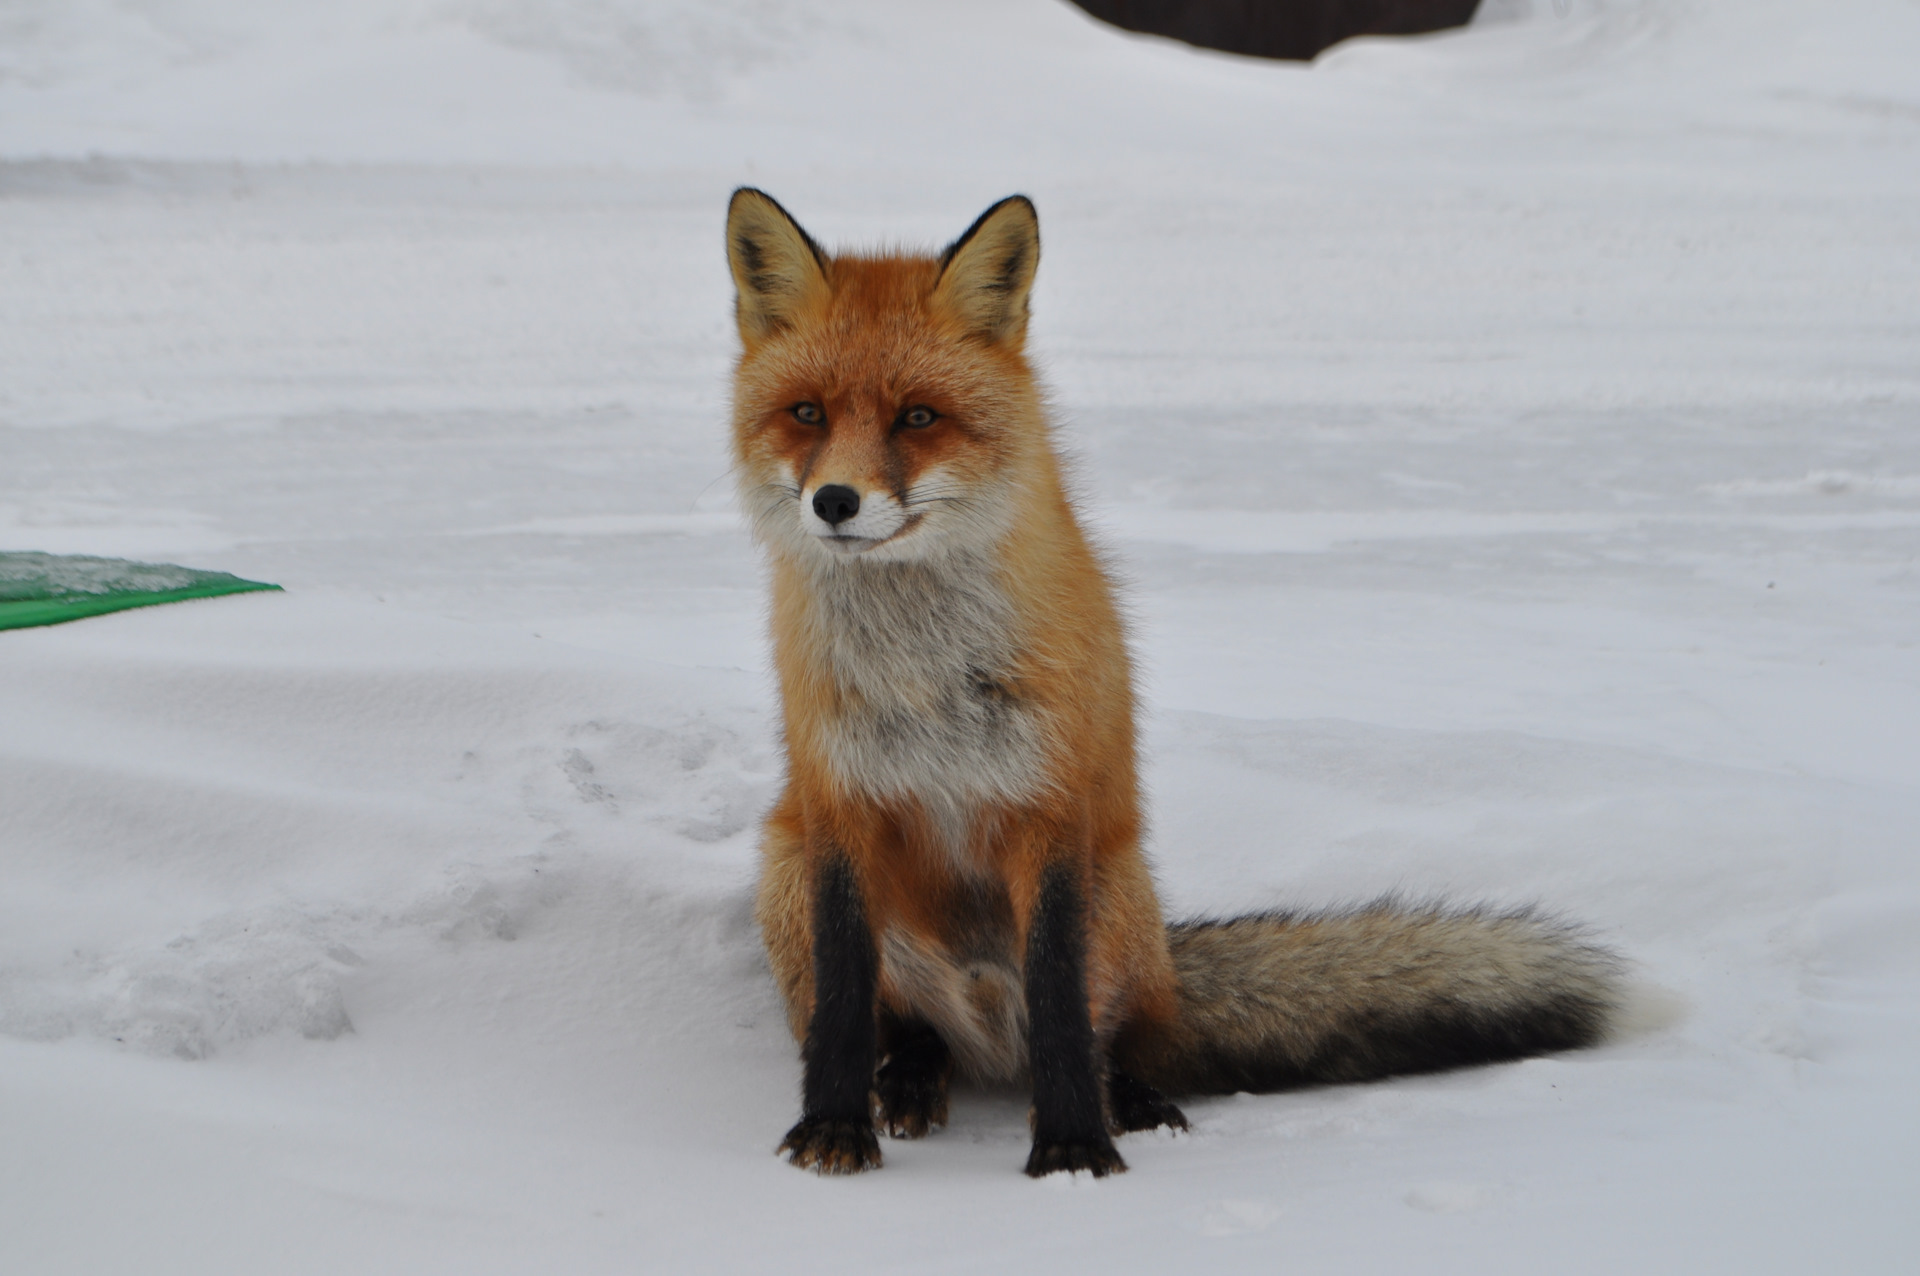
{"x": 778, "y": 270}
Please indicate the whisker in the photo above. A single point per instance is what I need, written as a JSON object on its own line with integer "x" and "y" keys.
{"x": 953, "y": 494}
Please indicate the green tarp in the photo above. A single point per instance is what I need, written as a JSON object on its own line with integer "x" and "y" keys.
{"x": 46, "y": 589}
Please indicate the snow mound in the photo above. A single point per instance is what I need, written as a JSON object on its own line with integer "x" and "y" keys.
{"x": 294, "y": 970}
{"x": 699, "y": 778}
{"x": 236, "y": 977}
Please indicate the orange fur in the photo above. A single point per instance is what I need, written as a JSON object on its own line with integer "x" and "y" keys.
{"x": 880, "y": 337}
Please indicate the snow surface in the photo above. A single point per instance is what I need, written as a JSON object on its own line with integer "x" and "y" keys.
{"x": 1509, "y": 437}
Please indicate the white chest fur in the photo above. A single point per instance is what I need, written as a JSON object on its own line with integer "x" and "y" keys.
{"x": 923, "y": 654}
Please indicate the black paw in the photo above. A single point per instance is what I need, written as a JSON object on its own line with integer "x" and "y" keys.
{"x": 1135, "y": 1105}
{"x": 910, "y": 1102}
{"x": 1097, "y": 1158}
{"x": 832, "y": 1147}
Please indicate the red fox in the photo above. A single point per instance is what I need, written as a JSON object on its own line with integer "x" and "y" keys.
{"x": 952, "y": 877}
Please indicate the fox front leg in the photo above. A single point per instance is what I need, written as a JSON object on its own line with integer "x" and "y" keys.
{"x": 835, "y": 1134}
{"x": 1069, "y": 1117}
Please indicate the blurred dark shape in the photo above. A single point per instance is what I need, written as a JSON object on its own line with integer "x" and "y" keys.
{"x": 1296, "y": 29}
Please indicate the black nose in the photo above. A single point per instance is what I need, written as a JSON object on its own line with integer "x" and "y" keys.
{"x": 836, "y": 503}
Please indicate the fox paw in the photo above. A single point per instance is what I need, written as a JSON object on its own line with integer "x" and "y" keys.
{"x": 1096, "y": 1158}
{"x": 832, "y": 1147}
{"x": 1135, "y": 1105}
{"x": 909, "y": 1105}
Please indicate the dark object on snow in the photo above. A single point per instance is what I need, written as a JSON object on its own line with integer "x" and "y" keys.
{"x": 50, "y": 589}
{"x": 1296, "y": 29}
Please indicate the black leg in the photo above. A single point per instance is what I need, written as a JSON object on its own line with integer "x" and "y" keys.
{"x": 835, "y": 1134}
{"x": 913, "y": 1080}
{"x": 1135, "y": 1105}
{"x": 1069, "y": 1123}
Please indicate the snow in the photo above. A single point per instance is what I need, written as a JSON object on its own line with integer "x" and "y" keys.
{"x": 1508, "y": 437}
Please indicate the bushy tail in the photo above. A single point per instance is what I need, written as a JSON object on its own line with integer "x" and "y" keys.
{"x": 1277, "y": 1000}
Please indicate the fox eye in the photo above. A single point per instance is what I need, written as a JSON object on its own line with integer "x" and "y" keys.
{"x": 918, "y": 417}
{"x": 809, "y": 414}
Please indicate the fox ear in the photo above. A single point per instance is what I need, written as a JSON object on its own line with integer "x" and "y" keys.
{"x": 778, "y": 270}
{"x": 986, "y": 274}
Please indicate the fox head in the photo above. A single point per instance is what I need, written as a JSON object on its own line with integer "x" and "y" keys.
{"x": 883, "y": 407}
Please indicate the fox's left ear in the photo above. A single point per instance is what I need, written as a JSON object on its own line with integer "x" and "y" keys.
{"x": 778, "y": 271}
{"x": 986, "y": 274}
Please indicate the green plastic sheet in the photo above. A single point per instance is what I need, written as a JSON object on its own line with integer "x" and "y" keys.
{"x": 49, "y": 589}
